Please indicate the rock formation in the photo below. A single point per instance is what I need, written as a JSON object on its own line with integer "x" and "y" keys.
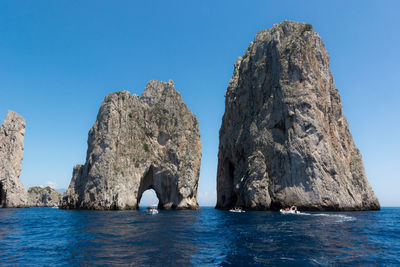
{"x": 12, "y": 193}
{"x": 284, "y": 140}
{"x": 139, "y": 143}
{"x": 43, "y": 197}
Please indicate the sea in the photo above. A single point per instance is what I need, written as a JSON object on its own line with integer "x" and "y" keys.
{"x": 205, "y": 237}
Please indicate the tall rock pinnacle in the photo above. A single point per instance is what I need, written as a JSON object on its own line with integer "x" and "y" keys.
{"x": 139, "y": 143}
{"x": 12, "y": 193}
{"x": 284, "y": 140}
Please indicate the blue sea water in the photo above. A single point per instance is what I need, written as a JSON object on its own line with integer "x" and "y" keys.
{"x": 53, "y": 237}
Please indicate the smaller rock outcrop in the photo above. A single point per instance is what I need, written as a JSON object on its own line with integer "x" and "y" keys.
{"x": 12, "y": 193}
{"x": 43, "y": 197}
{"x": 136, "y": 144}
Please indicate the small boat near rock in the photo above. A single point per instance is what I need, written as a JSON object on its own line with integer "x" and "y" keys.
{"x": 292, "y": 210}
{"x": 237, "y": 209}
{"x": 152, "y": 209}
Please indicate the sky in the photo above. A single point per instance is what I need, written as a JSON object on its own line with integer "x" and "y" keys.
{"x": 59, "y": 59}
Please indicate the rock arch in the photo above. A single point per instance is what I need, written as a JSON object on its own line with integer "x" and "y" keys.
{"x": 144, "y": 200}
{"x": 164, "y": 185}
{"x": 146, "y": 183}
{"x": 137, "y": 143}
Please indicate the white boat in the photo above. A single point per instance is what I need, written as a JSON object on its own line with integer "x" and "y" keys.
{"x": 292, "y": 210}
{"x": 237, "y": 209}
{"x": 152, "y": 209}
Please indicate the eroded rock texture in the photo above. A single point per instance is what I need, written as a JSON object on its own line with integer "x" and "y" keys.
{"x": 12, "y": 192}
{"x": 139, "y": 143}
{"x": 43, "y": 197}
{"x": 284, "y": 140}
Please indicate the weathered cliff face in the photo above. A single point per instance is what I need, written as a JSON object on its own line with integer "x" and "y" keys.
{"x": 43, "y": 197}
{"x": 284, "y": 140}
{"x": 139, "y": 143}
{"x": 12, "y": 193}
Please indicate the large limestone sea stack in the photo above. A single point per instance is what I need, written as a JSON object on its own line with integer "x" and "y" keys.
{"x": 139, "y": 143}
{"x": 12, "y": 192}
{"x": 284, "y": 139}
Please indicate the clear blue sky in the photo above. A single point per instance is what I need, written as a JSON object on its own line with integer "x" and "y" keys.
{"x": 58, "y": 59}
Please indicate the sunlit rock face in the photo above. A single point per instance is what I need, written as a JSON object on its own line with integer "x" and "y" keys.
{"x": 139, "y": 143}
{"x": 284, "y": 139}
{"x": 12, "y": 193}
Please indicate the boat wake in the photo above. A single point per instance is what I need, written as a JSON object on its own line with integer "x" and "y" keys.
{"x": 339, "y": 217}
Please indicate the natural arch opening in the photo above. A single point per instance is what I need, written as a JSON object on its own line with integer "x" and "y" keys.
{"x": 148, "y": 191}
{"x": 149, "y": 198}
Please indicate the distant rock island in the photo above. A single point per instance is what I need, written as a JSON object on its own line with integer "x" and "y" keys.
{"x": 43, "y": 197}
{"x": 284, "y": 139}
{"x": 139, "y": 143}
{"x": 12, "y": 192}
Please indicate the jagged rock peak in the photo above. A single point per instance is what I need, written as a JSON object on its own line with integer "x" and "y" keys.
{"x": 12, "y": 193}
{"x": 284, "y": 140}
{"x": 157, "y": 91}
{"x": 43, "y": 197}
{"x": 139, "y": 143}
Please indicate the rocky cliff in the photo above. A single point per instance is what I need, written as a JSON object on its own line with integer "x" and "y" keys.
{"x": 12, "y": 193}
{"x": 139, "y": 143}
{"x": 284, "y": 139}
{"x": 43, "y": 197}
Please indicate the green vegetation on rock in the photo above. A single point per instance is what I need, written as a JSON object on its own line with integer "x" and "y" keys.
{"x": 146, "y": 147}
{"x": 307, "y": 27}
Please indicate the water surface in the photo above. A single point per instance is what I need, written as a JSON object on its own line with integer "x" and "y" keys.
{"x": 46, "y": 236}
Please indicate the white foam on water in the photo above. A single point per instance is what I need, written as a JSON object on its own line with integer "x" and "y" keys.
{"x": 303, "y": 213}
{"x": 340, "y": 217}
